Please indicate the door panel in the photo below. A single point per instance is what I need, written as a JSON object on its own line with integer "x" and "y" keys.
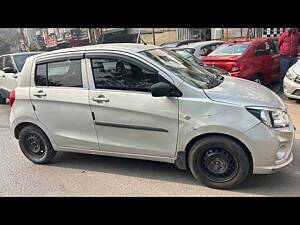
{"x": 136, "y": 123}
{"x": 65, "y": 111}
{"x": 128, "y": 119}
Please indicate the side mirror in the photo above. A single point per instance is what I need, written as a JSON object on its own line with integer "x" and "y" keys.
{"x": 161, "y": 89}
{"x": 9, "y": 70}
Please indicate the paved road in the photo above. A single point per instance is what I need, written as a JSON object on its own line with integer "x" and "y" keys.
{"x": 73, "y": 174}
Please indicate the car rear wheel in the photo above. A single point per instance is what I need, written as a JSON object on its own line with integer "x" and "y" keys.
{"x": 35, "y": 145}
{"x": 258, "y": 78}
{"x": 219, "y": 162}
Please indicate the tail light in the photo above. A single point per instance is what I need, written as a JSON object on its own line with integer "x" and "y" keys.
{"x": 12, "y": 98}
{"x": 233, "y": 67}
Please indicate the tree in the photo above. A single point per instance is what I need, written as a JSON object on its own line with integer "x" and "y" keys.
{"x": 10, "y": 37}
{"x": 4, "y": 47}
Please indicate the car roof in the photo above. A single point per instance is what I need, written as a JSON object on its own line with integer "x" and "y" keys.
{"x": 202, "y": 43}
{"x": 173, "y": 43}
{"x": 253, "y": 40}
{"x": 21, "y": 53}
{"x": 127, "y": 47}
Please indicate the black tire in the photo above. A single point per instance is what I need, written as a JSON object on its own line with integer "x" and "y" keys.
{"x": 35, "y": 145}
{"x": 258, "y": 78}
{"x": 2, "y": 100}
{"x": 209, "y": 153}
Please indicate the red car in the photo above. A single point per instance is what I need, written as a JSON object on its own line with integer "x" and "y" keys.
{"x": 253, "y": 59}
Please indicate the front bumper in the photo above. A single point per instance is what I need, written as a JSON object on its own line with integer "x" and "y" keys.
{"x": 271, "y": 149}
{"x": 291, "y": 89}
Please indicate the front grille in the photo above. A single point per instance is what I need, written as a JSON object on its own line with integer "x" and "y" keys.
{"x": 296, "y": 92}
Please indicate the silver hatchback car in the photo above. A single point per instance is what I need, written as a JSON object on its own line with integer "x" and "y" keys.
{"x": 150, "y": 103}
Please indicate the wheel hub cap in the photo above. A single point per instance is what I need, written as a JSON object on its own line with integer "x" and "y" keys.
{"x": 35, "y": 144}
{"x": 218, "y": 164}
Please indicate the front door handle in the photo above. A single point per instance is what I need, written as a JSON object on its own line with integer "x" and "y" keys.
{"x": 3, "y": 75}
{"x": 40, "y": 94}
{"x": 100, "y": 98}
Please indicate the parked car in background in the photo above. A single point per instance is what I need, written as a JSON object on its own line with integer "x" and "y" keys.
{"x": 291, "y": 82}
{"x": 187, "y": 55}
{"x": 202, "y": 48}
{"x": 178, "y": 43}
{"x": 251, "y": 59}
{"x": 147, "y": 102}
{"x": 10, "y": 67}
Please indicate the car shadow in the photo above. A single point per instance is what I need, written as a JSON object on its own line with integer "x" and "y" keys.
{"x": 123, "y": 166}
{"x": 282, "y": 183}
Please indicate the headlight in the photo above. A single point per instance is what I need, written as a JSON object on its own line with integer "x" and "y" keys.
{"x": 290, "y": 74}
{"x": 272, "y": 117}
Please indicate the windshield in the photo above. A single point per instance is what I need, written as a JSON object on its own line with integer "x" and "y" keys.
{"x": 231, "y": 49}
{"x": 20, "y": 59}
{"x": 185, "y": 54}
{"x": 191, "y": 72}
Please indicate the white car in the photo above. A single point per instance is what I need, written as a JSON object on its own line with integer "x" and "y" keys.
{"x": 150, "y": 103}
{"x": 10, "y": 67}
{"x": 291, "y": 82}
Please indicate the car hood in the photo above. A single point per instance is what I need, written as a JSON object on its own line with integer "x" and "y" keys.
{"x": 243, "y": 92}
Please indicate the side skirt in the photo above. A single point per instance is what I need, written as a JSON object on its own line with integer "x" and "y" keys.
{"x": 117, "y": 154}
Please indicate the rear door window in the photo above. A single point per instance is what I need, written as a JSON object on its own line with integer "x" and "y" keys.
{"x": 274, "y": 46}
{"x": 41, "y": 75}
{"x": 59, "y": 74}
{"x": 263, "y": 49}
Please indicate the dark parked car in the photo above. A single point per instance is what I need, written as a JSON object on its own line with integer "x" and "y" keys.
{"x": 179, "y": 43}
{"x": 186, "y": 54}
{"x": 203, "y": 48}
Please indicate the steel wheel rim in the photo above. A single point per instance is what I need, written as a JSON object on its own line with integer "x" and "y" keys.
{"x": 35, "y": 145}
{"x": 218, "y": 165}
{"x": 257, "y": 80}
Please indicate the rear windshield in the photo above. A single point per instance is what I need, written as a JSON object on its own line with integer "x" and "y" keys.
{"x": 231, "y": 49}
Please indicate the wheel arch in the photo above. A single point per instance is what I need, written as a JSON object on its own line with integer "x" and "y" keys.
{"x": 201, "y": 136}
{"x": 259, "y": 74}
{"x": 20, "y": 126}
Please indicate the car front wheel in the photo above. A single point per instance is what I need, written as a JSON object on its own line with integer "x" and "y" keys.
{"x": 219, "y": 162}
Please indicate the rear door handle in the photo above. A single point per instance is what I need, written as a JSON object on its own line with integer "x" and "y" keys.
{"x": 100, "y": 98}
{"x": 40, "y": 94}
